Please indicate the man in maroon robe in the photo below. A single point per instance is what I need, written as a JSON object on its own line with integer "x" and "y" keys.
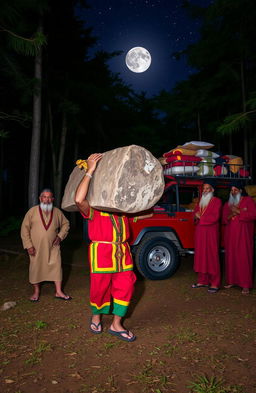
{"x": 239, "y": 214}
{"x": 207, "y": 215}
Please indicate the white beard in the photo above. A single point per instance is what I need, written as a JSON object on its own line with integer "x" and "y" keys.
{"x": 46, "y": 207}
{"x": 205, "y": 199}
{"x": 234, "y": 199}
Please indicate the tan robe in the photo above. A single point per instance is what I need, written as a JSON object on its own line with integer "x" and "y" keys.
{"x": 46, "y": 264}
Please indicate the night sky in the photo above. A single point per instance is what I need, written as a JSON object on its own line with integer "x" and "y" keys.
{"x": 160, "y": 26}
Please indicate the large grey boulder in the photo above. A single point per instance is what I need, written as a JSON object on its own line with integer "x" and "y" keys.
{"x": 68, "y": 200}
{"x": 127, "y": 179}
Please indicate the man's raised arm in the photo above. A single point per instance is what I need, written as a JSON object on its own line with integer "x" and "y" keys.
{"x": 82, "y": 189}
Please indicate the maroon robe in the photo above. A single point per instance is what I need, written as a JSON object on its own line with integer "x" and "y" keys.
{"x": 206, "y": 259}
{"x": 239, "y": 242}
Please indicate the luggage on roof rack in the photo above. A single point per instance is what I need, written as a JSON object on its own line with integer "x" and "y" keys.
{"x": 206, "y": 168}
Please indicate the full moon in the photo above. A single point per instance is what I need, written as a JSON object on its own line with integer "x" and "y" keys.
{"x": 138, "y": 59}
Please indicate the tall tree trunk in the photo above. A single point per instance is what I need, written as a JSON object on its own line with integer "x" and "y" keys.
{"x": 42, "y": 183}
{"x": 58, "y": 159}
{"x": 36, "y": 130}
{"x": 54, "y": 164}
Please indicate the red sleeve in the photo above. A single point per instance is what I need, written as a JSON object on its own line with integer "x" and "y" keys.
{"x": 248, "y": 212}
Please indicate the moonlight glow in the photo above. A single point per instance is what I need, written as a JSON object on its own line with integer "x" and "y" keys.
{"x": 138, "y": 59}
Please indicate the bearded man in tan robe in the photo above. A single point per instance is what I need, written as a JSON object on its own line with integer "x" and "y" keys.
{"x": 42, "y": 230}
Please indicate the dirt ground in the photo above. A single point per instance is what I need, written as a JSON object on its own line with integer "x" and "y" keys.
{"x": 183, "y": 334}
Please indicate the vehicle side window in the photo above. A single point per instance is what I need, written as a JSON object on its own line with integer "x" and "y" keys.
{"x": 168, "y": 200}
{"x": 188, "y": 198}
{"x": 169, "y": 196}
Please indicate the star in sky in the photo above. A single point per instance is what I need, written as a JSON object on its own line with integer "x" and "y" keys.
{"x": 161, "y": 26}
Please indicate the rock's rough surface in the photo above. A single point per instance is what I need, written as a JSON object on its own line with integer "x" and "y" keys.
{"x": 127, "y": 179}
{"x": 75, "y": 178}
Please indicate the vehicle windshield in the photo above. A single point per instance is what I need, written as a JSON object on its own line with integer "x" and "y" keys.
{"x": 185, "y": 200}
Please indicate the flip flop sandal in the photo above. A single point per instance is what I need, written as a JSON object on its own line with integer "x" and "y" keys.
{"x": 96, "y": 326}
{"x": 34, "y": 300}
{"x": 120, "y": 335}
{"x": 213, "y": 290}
{"x": 199, "y": 286}
{"x": 63, "y": 298}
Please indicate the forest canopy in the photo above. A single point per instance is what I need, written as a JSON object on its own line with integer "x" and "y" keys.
{"x": 58, "y": 104}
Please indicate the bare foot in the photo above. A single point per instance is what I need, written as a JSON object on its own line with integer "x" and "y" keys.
{"x": 34, "y": 297}
{"x": 62, "y": 295}
{"x": 228, "y": 286}
{"x": 245, "y": 291}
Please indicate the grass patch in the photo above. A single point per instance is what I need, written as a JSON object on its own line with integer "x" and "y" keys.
{"x": 110, "y": 345}
{"x": 36, "y": 354}
{"x": 151, "y": 377}
{"x": 40, "y": 325}
{"x": 204, "y": 384}
{"x": 185, "y": 335}
{"x": 37, "y": 325}
{"x": 112, "y": 386}
{"x": 170, "y": 349}
{"x": 9, "y": 333}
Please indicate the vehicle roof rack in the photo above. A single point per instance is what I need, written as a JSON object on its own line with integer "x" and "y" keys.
{"x": 201, "y": 170}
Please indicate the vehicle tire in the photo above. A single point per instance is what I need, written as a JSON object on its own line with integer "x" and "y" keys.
{"x": 157, "y": 258}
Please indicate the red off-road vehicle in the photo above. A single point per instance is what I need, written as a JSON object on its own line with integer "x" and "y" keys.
{"x": 166, "y": 232}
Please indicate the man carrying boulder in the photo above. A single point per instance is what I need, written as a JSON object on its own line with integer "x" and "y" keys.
{"x": 111, "y": 265}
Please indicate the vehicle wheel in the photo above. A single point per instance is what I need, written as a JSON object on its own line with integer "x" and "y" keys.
{"x": 157, "y": 258}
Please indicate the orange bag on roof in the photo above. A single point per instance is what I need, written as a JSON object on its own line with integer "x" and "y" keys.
{"x": 234, "y": 162}
{"x": 251, "y": 190}
{"x": 179, "y": 150}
